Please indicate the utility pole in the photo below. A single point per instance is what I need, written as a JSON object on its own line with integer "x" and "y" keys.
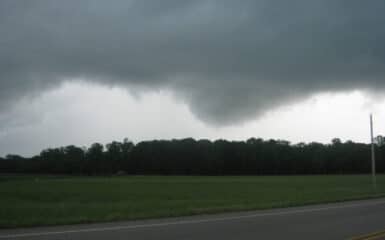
{"x": 373, "y": 154}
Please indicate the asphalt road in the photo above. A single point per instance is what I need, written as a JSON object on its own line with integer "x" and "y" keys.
{"x": 347, "y": 220}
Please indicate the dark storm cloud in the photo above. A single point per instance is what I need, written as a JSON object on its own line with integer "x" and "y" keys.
{"x": 230, "y": 60}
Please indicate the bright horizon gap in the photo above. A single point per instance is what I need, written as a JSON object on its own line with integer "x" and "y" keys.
{"x": 79, "y": 113}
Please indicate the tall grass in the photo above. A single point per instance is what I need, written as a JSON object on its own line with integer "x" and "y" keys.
{"x": 39, "y": 200}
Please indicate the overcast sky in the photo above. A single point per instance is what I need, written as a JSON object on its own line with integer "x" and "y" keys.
{"x": 77, "y": 72}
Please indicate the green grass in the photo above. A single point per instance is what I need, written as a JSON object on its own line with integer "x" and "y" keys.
{"x": 32, "y": 201}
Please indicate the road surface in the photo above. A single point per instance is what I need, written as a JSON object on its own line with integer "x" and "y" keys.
{"x": 348, "y": 220}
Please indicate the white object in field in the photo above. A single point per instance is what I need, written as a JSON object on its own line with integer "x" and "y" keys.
{"x": 373, "y": 153}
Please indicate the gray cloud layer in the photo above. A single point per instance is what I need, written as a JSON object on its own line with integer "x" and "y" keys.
{"x": 229, "y": 60}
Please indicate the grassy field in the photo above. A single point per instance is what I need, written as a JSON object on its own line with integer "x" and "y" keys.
{"x": 31, "y": 201}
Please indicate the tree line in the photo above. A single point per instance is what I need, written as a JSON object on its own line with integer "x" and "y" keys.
{"x": 200, "y": 157}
